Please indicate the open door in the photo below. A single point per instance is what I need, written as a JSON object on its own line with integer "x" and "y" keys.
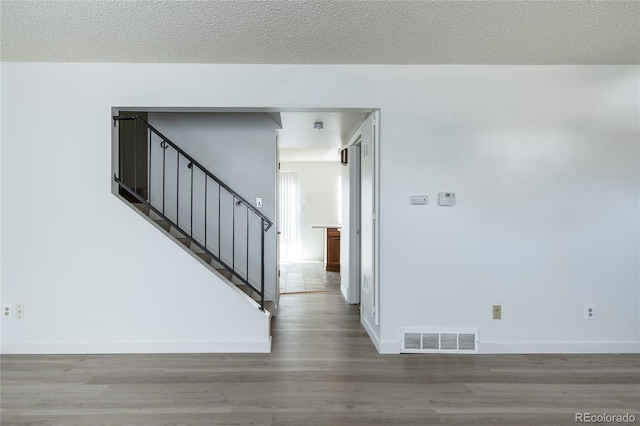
{"x": 350, "y": 239}
{"x": 368, "y": 223}
{"x": 276, "y": 297}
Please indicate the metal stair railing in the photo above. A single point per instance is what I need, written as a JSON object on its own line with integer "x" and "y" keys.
{"x": 164, "y": 207}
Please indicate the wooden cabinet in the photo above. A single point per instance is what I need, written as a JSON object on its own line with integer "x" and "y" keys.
{"x": 333, "y": 250}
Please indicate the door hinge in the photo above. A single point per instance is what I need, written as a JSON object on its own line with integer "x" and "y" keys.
{"x": 374, "y": 216}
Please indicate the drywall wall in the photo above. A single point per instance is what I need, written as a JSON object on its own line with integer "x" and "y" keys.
{"x": 240, "y": 150}
{"x": 319, "y": 203}
{"x": 544, "y": 161}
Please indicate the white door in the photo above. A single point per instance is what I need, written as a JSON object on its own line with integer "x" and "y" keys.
{"x": 369, "y": 298}
{"x": 276, "y": 296}
{"x": 354, "y": 279}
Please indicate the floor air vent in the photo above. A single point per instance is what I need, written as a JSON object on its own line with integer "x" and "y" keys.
{"x": 439, "y": 341}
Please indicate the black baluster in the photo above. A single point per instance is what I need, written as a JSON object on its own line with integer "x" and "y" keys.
{"x": 262, "y": 265}
{"x": 219, "y": 236}
{"x": 206, "y": 179}
{"x": 233, "y": 235}
{"x": 135, "y": 156}
{"x": 149, "y": 166}
{"x": 191, "y": 209}
{"x": 178, "y": 188}
{"x": 247, "y": 244}
{"x": 163, "y": 145}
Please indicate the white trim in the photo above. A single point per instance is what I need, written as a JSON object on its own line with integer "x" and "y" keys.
{"x": 372, "y": 334}
{"x": 558, "y": 347}
{"x": 389, "y": 347}
{"x": 344, "y": 292}
{"x": 135, "y": 347}
{"x": 376, "y": 223}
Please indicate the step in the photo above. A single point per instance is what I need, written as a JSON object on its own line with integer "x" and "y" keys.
{"x": 245, "y": 289}
{"x": 142, "y": 207}
{"x": 225, "y": 273}
{"x": 197, "y": 250}
{"x": 163, "y": 224}
{"x": 154, "y": 216}
{"x": 176, "y": 233}
{"x": 216, "y": 265}
{"x": 184, "y": 241}
{"x": 204, "y": 256}
{"x": 269, "y": 305}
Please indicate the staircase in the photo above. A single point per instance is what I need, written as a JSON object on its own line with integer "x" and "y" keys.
{"x": 192, "y": 206}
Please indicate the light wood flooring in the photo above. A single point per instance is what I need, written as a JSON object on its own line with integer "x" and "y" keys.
{"x": 323, "y": 370}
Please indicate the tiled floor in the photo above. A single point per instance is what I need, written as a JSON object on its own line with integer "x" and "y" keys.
{"x": 307, "y": 276}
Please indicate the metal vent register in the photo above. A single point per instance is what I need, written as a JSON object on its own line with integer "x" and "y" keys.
{"x": 439, "y": 341}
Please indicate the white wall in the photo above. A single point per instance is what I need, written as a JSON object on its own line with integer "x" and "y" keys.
{"x": 240, "y": 150}
{"x": 544, "y": 160}
{"x": 318, "y": 182}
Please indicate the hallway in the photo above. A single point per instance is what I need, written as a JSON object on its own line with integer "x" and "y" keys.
{"x": 296, "y": 277}
{"x": 323, "y": 370}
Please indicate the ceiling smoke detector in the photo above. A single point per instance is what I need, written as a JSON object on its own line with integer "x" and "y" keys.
{"x": 318, "y": 125}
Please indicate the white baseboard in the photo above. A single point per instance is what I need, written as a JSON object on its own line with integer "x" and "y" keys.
{"x": 344, "y": 291}
{"x": 372, "y": 334}
{"x": 382, "y": 346}
{"x": 124, "y": 347}
{"x": 389, "y": 347}
{"x": 558, "y": 347}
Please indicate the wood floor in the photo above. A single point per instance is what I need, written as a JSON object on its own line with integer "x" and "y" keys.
{"x": 323, "y": 371}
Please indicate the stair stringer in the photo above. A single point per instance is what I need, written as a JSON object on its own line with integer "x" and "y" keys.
{"x": 194, "y": 252}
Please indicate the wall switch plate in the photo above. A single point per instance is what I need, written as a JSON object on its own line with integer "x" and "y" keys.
{"x": 19, "y": 311}
{"x": 418, "y": 200}
{"x": 497, "y": 311}
{"x": 366, "y": 282}
{"x": 7, "y": 311}
{"x": 259, "y": 203}
{"x": 589, "y": 312}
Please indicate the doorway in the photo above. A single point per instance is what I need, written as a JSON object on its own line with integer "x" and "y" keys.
{"x": 339, "y": 193}
{"x": 309, "y": 220}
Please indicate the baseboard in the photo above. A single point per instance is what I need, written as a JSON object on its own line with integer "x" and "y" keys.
{"x": 125, "y": 347}
{"x": 388, "y": 347}
{"x": 558, "y": 347}
{"x": 344, "y": 291}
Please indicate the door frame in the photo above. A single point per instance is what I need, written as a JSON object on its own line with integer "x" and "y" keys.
{"x": 353, "y": 295}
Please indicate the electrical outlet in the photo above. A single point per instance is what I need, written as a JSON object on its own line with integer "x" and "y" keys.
{"x": 19, "y": 310}
{"x": 259, "y": 203}
{"x": 7, "y": 310}
{"x": 589, "y": 312}
{"x": 497, "y": 311}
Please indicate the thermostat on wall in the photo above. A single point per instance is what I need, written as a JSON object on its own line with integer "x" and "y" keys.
{"x": 446, "y": 199}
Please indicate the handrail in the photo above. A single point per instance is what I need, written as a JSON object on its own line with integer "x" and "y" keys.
{"x": 190, "y": 158}
{"x": 236, "y": 201}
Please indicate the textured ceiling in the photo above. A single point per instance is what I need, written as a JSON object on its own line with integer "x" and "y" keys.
{"x": 323, "y": 32}
{"x": 298, "y": 132}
